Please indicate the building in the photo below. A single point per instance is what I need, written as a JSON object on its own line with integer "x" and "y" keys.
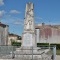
{"x": 47, "y": 33}
{"x": 3, "y": 34}
{"x": 13, "y": 38}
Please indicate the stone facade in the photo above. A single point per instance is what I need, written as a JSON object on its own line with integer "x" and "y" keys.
{"x": 48, "y": 33}
{"x": 3, "y": 34}
{"x": 14, "y": 37}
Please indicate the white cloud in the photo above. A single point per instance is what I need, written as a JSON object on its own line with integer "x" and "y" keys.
{"x": 14, "y": 12}
{"x": 1, "y": 2}
{"x": 18, "y": 22}
{"x": 2, "y": 12}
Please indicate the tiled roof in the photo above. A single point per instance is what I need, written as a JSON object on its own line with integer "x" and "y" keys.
{"x": 12, "y": 34}
{"x": 3, "y": 25}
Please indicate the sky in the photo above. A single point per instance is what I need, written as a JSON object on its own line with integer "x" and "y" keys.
{"x": 12, "y": 13}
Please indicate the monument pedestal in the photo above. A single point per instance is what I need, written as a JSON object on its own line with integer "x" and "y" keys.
{"x": 32, "y": 53}
{"x": 28, "y": 40}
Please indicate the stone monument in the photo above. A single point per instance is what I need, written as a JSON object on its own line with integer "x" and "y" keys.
{"x": 28, "y": 38}
{"x": 29, "y": 47}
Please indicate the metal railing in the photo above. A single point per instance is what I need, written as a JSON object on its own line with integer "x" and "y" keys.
{"x": 28, "y": 53}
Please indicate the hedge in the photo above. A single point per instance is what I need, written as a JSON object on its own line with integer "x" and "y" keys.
{"x": 47, "y": 44}
{"x": 15, "y": 43}
{"x": 38, "y": 44}
{"x": 42, "y": 44}
{"x": 57, "y": 45}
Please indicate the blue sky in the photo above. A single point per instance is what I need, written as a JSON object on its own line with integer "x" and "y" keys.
{"x": 12, "y": 13}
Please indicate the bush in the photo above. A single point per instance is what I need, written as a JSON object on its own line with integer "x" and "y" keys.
{"x": 47, "y": 45}
{"x": 57, "y": 45}
{"x": 15, "y": 43}
{"x": 42, "y": 44}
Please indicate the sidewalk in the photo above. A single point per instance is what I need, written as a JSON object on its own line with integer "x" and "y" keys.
{"x": 57, "y": 57}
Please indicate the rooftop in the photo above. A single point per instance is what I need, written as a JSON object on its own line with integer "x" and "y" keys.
{"x": 44, "y": 25}
{"x": 3, "y": 25}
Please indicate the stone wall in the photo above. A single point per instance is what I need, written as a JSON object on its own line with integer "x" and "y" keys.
{"x": 3, "y": 35}
{"x": 48, "y": 34}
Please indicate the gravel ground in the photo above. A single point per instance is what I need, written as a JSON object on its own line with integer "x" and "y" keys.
{"x": 57, "y": 58}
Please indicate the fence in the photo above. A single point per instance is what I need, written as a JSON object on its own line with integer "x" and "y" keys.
{"x": 28, "y": 53}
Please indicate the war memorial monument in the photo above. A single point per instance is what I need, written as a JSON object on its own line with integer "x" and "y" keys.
{"x": 29, "y": 47}
{"x": 29, "y": 27}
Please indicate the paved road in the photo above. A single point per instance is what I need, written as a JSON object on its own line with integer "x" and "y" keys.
{"x": 57, "y": 57}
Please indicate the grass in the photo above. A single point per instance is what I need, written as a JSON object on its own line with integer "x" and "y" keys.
{"x": 58, "y": 52}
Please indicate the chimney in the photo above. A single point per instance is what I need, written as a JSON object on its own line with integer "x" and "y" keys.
{"x": 43, "y": 24}
{"x": 0, "y": 22}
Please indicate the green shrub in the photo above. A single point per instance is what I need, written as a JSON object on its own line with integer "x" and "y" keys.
{"x": 42, "y": 44}
{"x": 47, "y": 45}
{"x": 15, "y": 43}
{"x": 57, "y": 45}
